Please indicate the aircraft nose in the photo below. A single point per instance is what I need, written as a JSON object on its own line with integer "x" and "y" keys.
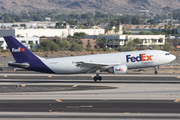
{"x": 174, "y": 57}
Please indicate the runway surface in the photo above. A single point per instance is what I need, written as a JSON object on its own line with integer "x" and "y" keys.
{"x": 88, "y": 78}
{"x": 125, "y": 94}
{"x": 115, "y": 87}
{"x": 101, "y": 106}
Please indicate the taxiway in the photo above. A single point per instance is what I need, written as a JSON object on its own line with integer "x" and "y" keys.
{"x": 125, "y": 94}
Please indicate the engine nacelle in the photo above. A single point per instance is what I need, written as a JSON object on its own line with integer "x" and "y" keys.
{"x": 120, "y": 69}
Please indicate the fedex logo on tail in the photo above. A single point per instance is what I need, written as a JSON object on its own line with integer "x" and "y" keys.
{"x": 20, "y": 49}
{"x": 141, "y": 57}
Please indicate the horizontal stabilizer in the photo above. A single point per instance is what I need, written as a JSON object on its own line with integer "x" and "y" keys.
{"x": 22, "y": 65}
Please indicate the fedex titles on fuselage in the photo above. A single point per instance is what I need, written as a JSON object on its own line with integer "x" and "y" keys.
{"x": 20, "y": 49}
{"x": 141, "y": 57}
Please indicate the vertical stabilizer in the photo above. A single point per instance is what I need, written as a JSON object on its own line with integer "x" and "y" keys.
{"x": 24, "y": 57}
{"x": 19, "y": 51}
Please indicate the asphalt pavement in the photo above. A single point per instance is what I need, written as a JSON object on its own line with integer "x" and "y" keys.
{"x": 78, "y": 96}
{"x": 96, "y": 106}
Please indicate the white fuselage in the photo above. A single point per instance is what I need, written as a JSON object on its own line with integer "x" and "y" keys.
{"x": 134, "y": 59}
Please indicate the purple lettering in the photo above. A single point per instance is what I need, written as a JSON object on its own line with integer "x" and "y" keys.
{"x": 127, "y": 58}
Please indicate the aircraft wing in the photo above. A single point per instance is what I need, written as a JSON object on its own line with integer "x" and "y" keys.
{"x": 92, "y": 67}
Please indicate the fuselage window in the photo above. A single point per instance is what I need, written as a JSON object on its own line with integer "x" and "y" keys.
{"x": 167, "y": 53}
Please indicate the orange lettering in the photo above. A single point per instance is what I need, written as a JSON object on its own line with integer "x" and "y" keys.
{"x": 22, "y": 49}
{"x": 143, "y": 57}
{"x": 149, "y": 57}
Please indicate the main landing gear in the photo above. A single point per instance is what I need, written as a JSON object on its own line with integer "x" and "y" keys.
{"x": 156, "y": 72}
{"x": 97, "y": 77}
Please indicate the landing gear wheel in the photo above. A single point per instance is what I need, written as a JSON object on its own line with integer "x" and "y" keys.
{"x": 156, "y": 72}
{"x": 99, "y": 78}
{"x": 95, "y": 79}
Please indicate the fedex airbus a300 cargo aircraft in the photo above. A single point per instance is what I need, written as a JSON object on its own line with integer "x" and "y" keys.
{"x": 116, "y": 63}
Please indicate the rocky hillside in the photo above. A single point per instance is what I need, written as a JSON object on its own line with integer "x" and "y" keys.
{"x": 66, "y": 6}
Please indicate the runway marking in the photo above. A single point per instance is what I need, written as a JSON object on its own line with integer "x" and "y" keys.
{"x": 58, "y": 100}
{"x": 75, "y": 86}
{"x": 72, "y": 106}
{"x": 49, "y": 76}
{"x": 177, "y": 100}
{"x": 5, "y": 75}
{"x": 126, "y": 112}
{"x": 86, "y": 106}
{"x": 23, "y": 85}
{"x": 56, "y": 112}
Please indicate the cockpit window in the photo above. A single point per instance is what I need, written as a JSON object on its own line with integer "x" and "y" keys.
{"x": 167, "y": 53}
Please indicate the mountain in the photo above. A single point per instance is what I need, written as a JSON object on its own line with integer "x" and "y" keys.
{"x": 69, "y": 6}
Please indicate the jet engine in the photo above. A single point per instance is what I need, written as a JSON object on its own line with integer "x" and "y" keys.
{"x": 120, "y": 69}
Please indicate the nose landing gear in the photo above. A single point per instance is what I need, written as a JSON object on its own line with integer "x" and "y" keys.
{"x": 156, "y": 72}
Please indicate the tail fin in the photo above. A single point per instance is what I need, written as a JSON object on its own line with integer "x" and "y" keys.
{"x": 24, "y": 57}
{"x": 19, "y": 51}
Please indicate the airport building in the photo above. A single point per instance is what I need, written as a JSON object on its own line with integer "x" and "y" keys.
{"x": 48, "y": 32}
{"x": 123, "y": 39}
{"x": 28, "y": 42}
{"x": 31, "y": 24}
